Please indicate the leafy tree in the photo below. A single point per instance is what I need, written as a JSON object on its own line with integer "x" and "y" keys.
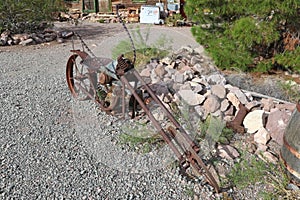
{"x": 20, "y": 16}
{"x": 247, "y": 34}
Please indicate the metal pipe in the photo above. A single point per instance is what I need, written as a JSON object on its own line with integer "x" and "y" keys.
{"x": 166, "y": 111}
{"x": 151, "y": 117}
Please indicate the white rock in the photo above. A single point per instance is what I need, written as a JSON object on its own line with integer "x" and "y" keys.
{"x": 27, "y": 42}
{"x": 233, "y": 99}
{"x": 199, "y": 50}
{"x": 254, "y": 121}
{"x": 239, "y": 94}
{"x": 224, "y": 105}
{"x": 190, "y": 97}
{"x": 178, "y": 78}
{"x": 262, "y": 136}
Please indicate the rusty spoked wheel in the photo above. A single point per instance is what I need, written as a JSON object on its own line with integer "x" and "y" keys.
{"x": 81, "y": 81}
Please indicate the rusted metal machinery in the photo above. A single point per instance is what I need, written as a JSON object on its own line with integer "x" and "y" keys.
{"x": 118, "y": 89}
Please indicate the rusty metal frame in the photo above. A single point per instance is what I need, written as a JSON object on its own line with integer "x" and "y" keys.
{"x": 185, "y": 149}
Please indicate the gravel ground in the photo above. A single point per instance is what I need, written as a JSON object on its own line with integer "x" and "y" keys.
{"x": 49, "y": 149}
{"x": 53, "y": 147}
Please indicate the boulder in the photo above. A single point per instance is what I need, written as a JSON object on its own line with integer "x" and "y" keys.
{"x": 216, "y": 79}
{"x": 262, "y": 136}
{"x": 224, "y": 105}
{"x": 254, "y": 121}
{"x": 219, "y": 91}
{"x": 211, "y": 104}
{"x": 239, "y": 94}
{"x": 252, "y": 104}
{"x": 276, "y": 124}
{"x": 190, "y": 97}
{"x": 160, "y": 70}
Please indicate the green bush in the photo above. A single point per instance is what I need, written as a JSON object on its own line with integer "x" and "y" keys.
{"x": 144, "y": 51}
{"x": 242, "y": 34}
{"x": 19, "y": 16}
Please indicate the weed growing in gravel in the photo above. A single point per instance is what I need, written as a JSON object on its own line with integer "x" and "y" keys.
{"x": 139, "y": 138}
{"x": 140, "y": 144}
{"x": 291, "y": 90}
{"x": 189, "y": 191}
{"x": 247, "y": 171}
{"x": 252, "y": 170}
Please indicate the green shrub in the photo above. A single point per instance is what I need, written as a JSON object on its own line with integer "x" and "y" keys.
{"x": 237, "y": 33}
{"x": 144, "y": 51}
{"x": 26, "y": 15}
{"x": 289, "y": 59}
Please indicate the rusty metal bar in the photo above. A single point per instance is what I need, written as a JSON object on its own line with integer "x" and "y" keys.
{"x": 192, "y": 157}
{"x": 185, "y": 149}
{"x": 166, "y": 111}
{"x": 184, "y": 137}
{"x": 152, "y": 118}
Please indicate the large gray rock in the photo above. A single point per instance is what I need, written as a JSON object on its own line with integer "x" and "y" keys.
{"x": 219, "y": 91}
{"x": 212, "y": 104}
{"x": 190, "y": 97}
{"x": 216, "y": 79}
{"x": 239, "y": 94}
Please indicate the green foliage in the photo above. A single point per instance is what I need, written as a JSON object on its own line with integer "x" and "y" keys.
{"x": 263, "y": 66}
{"x": 248, "y": 32}
{"x": 145, "y": 51}
{"x": 174, "y": 20}
{"x": 250, "y": 170}
{"x": 289, "y": 59}
{"x": 140, "y": 144}
{"x": 140, "y": 138}
{"x": 214, "y": 130}
{"x": 26, "y": 15}
{"x": 237, "y": 32}
{"x": 189, "y": 191}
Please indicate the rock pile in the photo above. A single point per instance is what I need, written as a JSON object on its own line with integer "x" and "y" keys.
{"x": 190, "y": 76}
{"x": 48, "y": 35}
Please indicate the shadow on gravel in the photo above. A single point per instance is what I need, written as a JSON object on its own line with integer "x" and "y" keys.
{"x": 90, "y": 30}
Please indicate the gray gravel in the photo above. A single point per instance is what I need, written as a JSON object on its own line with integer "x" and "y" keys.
{"x": 47, "y": 151}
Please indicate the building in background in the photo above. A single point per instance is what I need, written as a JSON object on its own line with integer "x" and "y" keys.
{"x": 110, "y": 6}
